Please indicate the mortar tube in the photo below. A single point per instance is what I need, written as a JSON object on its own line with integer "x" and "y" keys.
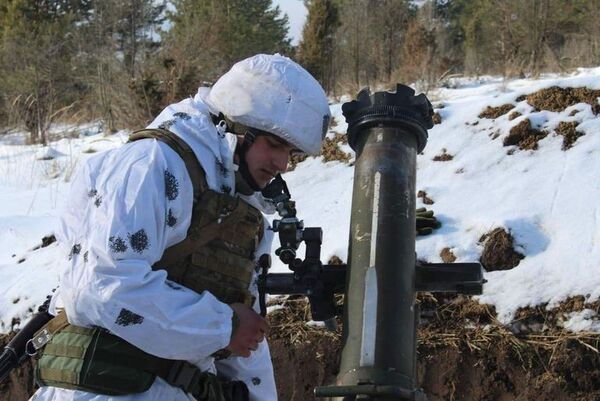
{"x": 379, "y": 338}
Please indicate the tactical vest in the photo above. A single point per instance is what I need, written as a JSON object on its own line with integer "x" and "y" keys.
{"x": 217, "y": 255}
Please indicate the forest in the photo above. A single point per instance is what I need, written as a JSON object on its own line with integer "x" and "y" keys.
{"x": 121, "y": 61}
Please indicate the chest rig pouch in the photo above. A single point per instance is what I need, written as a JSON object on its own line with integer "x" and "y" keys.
{"x": 218, "y": 253}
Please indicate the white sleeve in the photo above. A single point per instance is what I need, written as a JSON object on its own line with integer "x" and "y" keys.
{"x": 256, "y": 371}
{"x": 137, "y": 202}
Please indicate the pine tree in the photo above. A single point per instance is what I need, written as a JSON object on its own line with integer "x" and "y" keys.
{"x": 315, "y": 50}
{"x": 207, "y": 37}
{"x": 136, "y": 21}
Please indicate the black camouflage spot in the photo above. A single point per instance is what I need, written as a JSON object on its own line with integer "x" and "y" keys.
{"x": 128, "y": 318}
{"x": 226, "y": 189}
{"x": 171, "y": 220}
{"x": 221, "y": 168}
{"x": 117, "y": 244}
{"x": 166, "y": 124}
{"x": 171, "y": 186}
{"x": 92, "y": 192}
{"x": 256, "y": 381}
{"x": 139, "y": 241}
{"x": 172, "y": 285}
{"x": 75, "y": 250}
{"x": 98, "y": 201}
{"x": 85, "y": 256}
{"x": 182, "y": 115}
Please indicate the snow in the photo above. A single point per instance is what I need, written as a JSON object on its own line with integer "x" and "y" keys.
{"x": 547, "y": 198}
{"x": 582, "y": 321}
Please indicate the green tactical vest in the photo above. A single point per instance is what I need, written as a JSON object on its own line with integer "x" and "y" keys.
{"x": 217, "y": 255}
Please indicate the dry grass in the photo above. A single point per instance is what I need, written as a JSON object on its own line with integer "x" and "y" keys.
{"x": 330, "y": 150}
{"x": 454, "y": 322}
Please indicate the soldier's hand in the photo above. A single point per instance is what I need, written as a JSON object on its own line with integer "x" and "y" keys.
{"x": 426, "y": 221}
{"x": 251, "y": 330}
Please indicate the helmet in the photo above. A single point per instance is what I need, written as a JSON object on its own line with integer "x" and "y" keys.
{"x": 274, "y": 94}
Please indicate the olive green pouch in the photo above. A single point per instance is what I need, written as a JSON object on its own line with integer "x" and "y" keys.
{"x": 92, "y": 360}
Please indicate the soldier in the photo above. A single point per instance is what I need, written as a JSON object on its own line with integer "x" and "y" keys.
{"x": 157, "y": 301}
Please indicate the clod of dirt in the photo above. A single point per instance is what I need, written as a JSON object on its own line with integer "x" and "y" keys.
{"x": 524, "y": 136}
{"x": 47, "y": 240}
{"x": 569, "y": 132}
{"x": 335, "y": 260}
{"x": 573, "y": 112}
{"x": 447, "y": 255}
{"x": 495, "y": 112}
{"x": 426, "y": 200}
{"x": 443, "y": 157}
{"x": 437, "y": 118}
{"x": 494, "y": 134}
{"x": 514, "y": 115}
{"x": 498, "y": 250}
{"x": 557, "y": 99}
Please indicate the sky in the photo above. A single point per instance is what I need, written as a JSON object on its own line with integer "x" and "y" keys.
{"x": 546, "y": 198}
{"x": 296, "y": 12}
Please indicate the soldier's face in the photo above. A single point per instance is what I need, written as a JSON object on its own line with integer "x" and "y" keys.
{"x": 267, "y": 157}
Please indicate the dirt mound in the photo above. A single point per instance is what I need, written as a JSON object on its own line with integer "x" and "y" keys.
{"x": 498, "y": 250}
{"x": 463, "y": 354}
{"x": 524, "y": 136}
{"x": 495, "y": 112}
{"x": 330, "y": 150}
{"x": 447, "y": 255}
{"x": 557, "y": 99}
{"x": 514, "y": 115}
{"x": 569, "y": 132}
{"x": 425, "y": 198}
{"x": 443, "y": 157}
{"x": 304, "y": 356}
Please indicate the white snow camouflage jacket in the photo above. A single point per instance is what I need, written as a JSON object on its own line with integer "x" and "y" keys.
{"x": 126, "y": 207}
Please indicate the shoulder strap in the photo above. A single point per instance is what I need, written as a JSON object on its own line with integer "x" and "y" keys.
{"x": 173, "y": 253}
{"x": 195, "y": 170}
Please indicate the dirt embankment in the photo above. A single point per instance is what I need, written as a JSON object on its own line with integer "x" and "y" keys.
{"x": 463, "y": 354}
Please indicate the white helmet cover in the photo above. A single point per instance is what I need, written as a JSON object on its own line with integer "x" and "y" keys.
{"x": 274, "y": 94}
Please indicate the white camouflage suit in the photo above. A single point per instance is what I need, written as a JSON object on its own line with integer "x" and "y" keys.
{"x": 126, "y": 207}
